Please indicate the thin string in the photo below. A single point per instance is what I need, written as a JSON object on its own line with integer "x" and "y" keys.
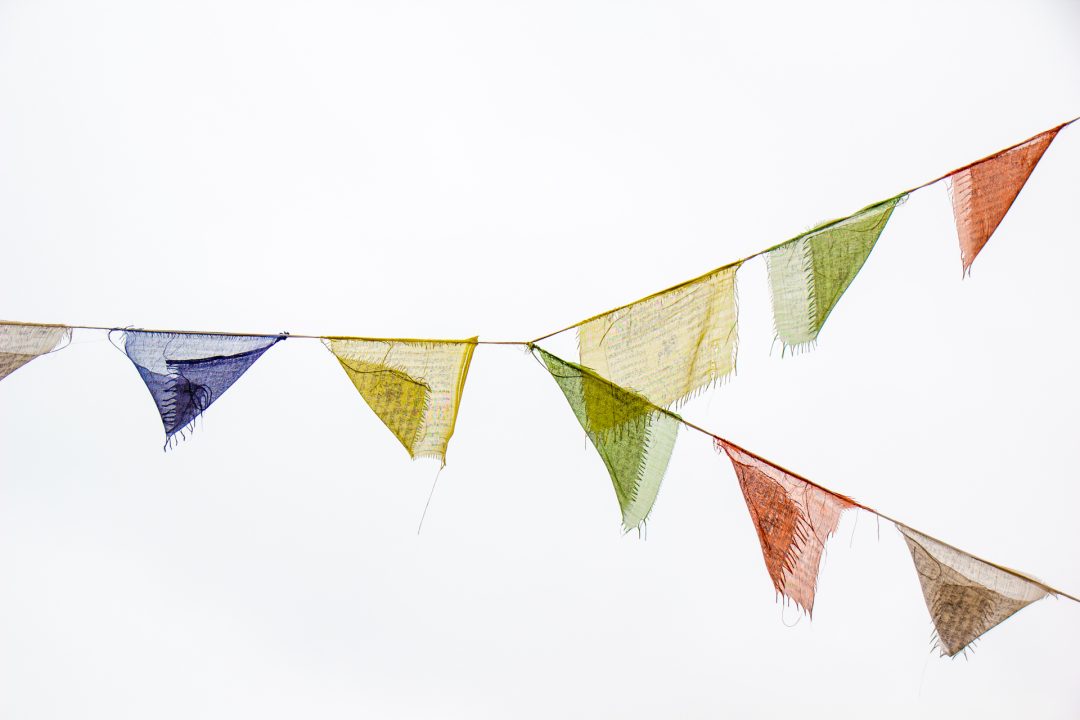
{"x": 531, "y": 345}
{"x": 813, "y": 231}
{"x": 587, "y": 371}
{"x": 428, "y": 503}
{"x": 291, "y": 336}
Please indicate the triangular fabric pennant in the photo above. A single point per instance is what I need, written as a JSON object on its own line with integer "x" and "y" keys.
{"x": 19, "y": 343}
{"x": 808, "y": 275}
{"x": 983, "y": 193}
{"x": 671, "y": 345}
{"x": 186, "y": 372}
{"x": 414, "y": 386}
{"x": 966, "y": 596}
{"x": 634, "y": 437}
{"x": 793, "y": 519}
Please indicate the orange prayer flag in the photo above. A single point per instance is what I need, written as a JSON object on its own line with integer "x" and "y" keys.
{"x": 982, "y": 193}
{"x": 793, "y": 520}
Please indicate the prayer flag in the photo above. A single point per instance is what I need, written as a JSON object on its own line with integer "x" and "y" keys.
{"x": 810, "y": 273}
{"x": 633, "y": 436}
{"x": 966, "y": 596}
{"x": 793, "y": 519}
{"x": 668, "y": 346}
{"x": 186, "y": 372}
{"x": 414, "y": 386}
{"x": 19, "y": 343}
{"x": 982, "y": 193}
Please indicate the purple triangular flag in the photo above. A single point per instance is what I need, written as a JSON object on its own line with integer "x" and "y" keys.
{"x": 186, "y": 372}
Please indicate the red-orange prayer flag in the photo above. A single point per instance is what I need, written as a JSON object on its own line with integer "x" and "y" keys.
{"x": 982, "y": 193}
{"x": 793, "y": 520}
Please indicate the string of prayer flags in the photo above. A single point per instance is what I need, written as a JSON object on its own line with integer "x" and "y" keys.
{"x": 808, "y": 275}
{"x": 670, "y": 345}
{"x": 19, "y": 343}
{"x": 632, "y": 435}
{"x": 793, "y": 519}
{"x": 414, "y": 386}
{"x": 636, "y": 362}
{"x": 966, "y": 596}
{"x": 983, "y": 193}
{"x": 186, "y": 372}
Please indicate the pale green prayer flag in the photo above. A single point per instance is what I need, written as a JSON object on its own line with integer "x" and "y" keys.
{"x": 633, "y": 436}
{"x": 810, "y": 273}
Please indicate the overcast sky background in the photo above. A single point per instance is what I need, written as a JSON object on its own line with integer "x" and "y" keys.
{"x": 425, "y": 169}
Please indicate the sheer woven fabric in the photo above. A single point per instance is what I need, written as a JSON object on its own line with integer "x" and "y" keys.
{"x": 668, "y": 346}
{"x": 965, "y": 596}
{"x": 19, "y": 344}
{"x": 633, "y": 437}
{"x": 187, "y": 372}
{"x": 983, "y": 193}
{"x": 809, "y": 274}
{"x": 793, "y": 519}
{"x": 414, "y": 387}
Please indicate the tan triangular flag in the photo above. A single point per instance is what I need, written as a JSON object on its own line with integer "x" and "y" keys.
{"x": 966, "y": 596}
{"x": 414, "y": 386}
{"x": 793, "y": 520}
{"x": 982, "y": 193}
{"x": 19, "y": 344}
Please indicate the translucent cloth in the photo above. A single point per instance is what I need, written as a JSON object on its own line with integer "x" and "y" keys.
{"x": 186, "y": 372}
{"x": 670, "y": 345}
{"x": 413, "y": 386}
{"x": 19, "y": 344}
{"x": 982, "y": 193}
{"x": 633, "y": 437}
{"x": 793, "y": 519}
{"x": 808, "y": 275}
{"x": 966, "y": 596}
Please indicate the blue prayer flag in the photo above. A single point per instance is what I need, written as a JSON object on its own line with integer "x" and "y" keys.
{"x": 186, "y": 372}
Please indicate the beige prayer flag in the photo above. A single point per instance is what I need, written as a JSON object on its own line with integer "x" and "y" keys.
{"x": 982, "y": 193}
{"x": 414, "y": 386}
{"x": 966, "y": 596}
{"x": 19, "y": 344}
{"x": 793, "y": 519}
{"x": 668, "y": 346}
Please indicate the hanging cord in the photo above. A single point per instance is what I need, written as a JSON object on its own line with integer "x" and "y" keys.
{"x": 813, "y": 231}
{"x": 657, "y": 408}
{"x": 531, "y": 346}
{"x": 735, "y": 263}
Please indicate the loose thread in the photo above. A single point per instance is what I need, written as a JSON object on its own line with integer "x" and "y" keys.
{"x": 428, "y": 503}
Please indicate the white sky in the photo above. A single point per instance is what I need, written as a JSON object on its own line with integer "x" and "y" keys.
{"x": 445, "y": 169}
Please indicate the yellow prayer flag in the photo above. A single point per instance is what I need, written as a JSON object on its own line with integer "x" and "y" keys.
{"x": 670, "y": 345}
{"x": 414, "y": 386}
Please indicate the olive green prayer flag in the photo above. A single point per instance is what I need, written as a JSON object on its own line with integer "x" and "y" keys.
{"x": 633, "y": 436}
